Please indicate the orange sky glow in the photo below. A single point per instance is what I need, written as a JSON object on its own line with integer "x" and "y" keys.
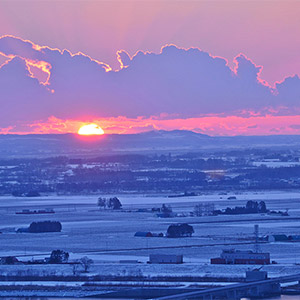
{"x": 211, "y": 125}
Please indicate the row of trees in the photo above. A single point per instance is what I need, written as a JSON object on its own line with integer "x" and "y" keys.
{"x": 204, "y": 209}
{"x": 45, "y": 226}
{"x": 252, "y": 207}
{"x": 180, "y": 230}
{"x": 110, "y": 203}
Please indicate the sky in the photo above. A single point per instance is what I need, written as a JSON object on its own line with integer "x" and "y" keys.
{"x": 215, "y": 67}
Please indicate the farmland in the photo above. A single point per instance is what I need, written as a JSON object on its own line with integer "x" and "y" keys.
{"x": 107, "y": 236}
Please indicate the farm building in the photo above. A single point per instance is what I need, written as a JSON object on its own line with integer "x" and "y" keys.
{"x": 144, "y": 234}
{"x": 165, "y": 259}
{"x": 278, "y": 238}
{"x": 236, "y": 257}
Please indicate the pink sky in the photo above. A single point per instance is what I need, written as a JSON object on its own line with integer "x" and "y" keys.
{"x": 267, "y": 32}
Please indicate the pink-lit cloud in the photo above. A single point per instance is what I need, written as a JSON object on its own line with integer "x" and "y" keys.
{"x": 169, "y": 88}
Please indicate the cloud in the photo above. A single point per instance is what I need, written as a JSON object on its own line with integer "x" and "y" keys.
{"x": 295, "y": 126}
{"x": 252, "y": 126}
{"x": 18, "y": 94}
{"x": 38, "y": 82}
{"x": 289, "y": 91}
{"x": 188, "y": 82}
{"x": 123, "y": 58}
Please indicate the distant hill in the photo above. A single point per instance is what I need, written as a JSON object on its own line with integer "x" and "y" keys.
{"x": 41, "y": 145}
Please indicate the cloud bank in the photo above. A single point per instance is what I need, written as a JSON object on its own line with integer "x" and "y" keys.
{"x": 38, "y": 82}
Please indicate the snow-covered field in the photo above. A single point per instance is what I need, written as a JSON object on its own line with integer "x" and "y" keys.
{"x": 108, "y": 236}
{"x": 139, "y": 200}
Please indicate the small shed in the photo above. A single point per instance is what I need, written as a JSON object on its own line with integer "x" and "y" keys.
{"x": 165, "y": 259}
{"x": 278, "y": 238}
{"x": 144, "y": 234}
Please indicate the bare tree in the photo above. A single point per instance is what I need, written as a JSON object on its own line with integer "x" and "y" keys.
{"x": 86, "y": 263}
{"x": 198, "y": 210}
{"x": 204, "y": 209}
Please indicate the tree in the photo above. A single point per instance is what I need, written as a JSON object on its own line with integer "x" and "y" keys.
{"x": 198, "y": 210}
{"x": 252, "y": 206}
{"x": 186, "y": 229}
{"x": 45, "y": 226}
{"x": 114, "y": 203}
{"x": 58, "y": 257}
{"x": 102, "y": 202}
{"x": 262, "y": 207}
{"x": 180, "y": 230}
{"x": 75, "y": 266}
{"x": 86, "y": 263}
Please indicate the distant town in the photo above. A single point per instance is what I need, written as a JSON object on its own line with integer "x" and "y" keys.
{"x": 173, "y": 173}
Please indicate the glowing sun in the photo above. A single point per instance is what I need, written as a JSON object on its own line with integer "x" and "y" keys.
{"x": 90, "y": 129}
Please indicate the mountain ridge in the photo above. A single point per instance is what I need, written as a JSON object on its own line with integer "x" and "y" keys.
{"x": 150, "y": 141}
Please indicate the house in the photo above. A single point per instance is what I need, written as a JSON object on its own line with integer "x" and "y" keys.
{"x": 237, "y": 257}
{"x": 144, "y": 234}
{"x": 278, "y": 238}
{"x": 165, "y": 259}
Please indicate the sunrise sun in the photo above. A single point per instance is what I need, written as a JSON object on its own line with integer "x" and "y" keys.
{"x": 90, "y": 129}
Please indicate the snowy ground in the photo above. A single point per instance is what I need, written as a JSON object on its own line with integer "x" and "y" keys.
{"x": 108, "y": 236}
{"x": 140, "y": 200}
